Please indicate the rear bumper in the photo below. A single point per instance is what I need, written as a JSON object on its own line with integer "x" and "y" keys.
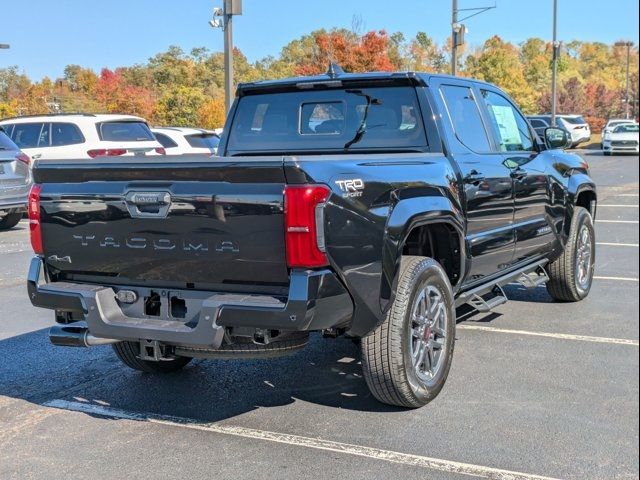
{"x": 317, "y": 300}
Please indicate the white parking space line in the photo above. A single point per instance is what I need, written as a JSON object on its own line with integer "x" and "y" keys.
{"x": 299, "y": 441}
{"x": 560, "y": 336}
{"x": 632, "y": 222}
{"x": 617, "y": 279}
{"x": 619, "y": 206}
{"x": 609, "y": 244}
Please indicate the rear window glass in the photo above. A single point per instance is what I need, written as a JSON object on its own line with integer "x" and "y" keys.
{"x": 6, "y": 143}
{"x": 65, "y": 134}
{"x": 328, "y": 120}
{"x": 204, "y": 140}
{"x": 574, "y": 120}
{"x": 124, "y": 132}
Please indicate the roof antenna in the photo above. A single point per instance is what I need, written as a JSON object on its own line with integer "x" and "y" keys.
{"x": 334, "y": 70}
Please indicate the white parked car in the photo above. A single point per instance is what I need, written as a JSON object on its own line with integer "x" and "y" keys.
{"x": 70, "y": 136}
{"x": 624, "y": 138}
{"x": 576, "y": 125}
{"x": 182, "y": 141}
{"x": 614, "y": 122}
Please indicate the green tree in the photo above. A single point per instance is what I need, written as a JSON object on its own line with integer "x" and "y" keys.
{"x": 499, "y": 62}
{"x": 180, "y": 106}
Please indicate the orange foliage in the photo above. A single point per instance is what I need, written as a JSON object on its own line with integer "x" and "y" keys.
{"x": 212, "y": 114}
{"x": 365, "y": 54}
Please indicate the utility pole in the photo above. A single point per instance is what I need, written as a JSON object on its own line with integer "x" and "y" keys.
{"x": 454, "y": 38}
{"x": 554, "y": 71}
{"x": 458, "y": 30}
{"x": 227, "y": 12}
{"x": 626, "y": 95}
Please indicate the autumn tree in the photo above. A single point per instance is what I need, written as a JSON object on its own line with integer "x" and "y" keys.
{"x": 180, "y": 106}
{"x": 499, "y": 62}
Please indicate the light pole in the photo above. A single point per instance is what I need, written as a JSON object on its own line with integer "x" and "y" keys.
{"x": 227, "y": 12}
{"x": 554, "y": 68}
{"x": 458, "y": 30}
{"x": 626, "y": 95}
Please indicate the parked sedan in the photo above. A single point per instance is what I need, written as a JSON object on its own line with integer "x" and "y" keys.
{"x": 15, "y": 181}
{"x": 182, "y": 141}
{"x": 623, "y": 138}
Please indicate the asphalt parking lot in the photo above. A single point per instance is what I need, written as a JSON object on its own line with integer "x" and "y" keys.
{"x": 540, "y": 388}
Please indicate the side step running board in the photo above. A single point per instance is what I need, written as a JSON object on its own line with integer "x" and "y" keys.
{"x": 534, "y": 279}
{"x": 483, "y": 305}
{"x": 531, "y": 276}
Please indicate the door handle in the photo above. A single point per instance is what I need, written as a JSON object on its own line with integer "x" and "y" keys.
{"x": 36, "y": 156}
{"x": 474, "y": 177}
{"x": 518, "y": 174}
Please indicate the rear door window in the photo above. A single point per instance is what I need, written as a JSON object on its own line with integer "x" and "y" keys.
{"x": 510, "y": 127}
{"x": 63, "y": 134}
{"x": 125, "y": 131}
{"x": 31, "y": 135}
{"x": 535, "y": 123}
{"x": 340, "y": 120}
{"x": 203, "y": 140}
{"x": 465, "y": 117}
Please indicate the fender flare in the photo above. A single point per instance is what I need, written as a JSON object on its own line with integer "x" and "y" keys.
{"x": 578, "y": 184}
{"x": 404, "y": 217}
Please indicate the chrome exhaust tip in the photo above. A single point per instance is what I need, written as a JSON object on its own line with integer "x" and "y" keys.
{"x": 76, "y": 335}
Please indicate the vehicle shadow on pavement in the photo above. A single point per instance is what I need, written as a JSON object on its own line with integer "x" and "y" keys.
{"x": 327, "y": 372}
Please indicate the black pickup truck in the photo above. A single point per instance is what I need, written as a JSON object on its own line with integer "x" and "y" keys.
{"x": 371, "y": 206}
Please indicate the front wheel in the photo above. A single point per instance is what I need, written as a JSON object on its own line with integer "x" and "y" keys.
{"x": 406, "y": 360}
{"x": 571, "y": 275}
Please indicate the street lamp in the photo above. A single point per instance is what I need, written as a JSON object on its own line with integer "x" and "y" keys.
{"x": 458, "y": 30}
{"x": 227, "y": 12}
{"x": 4, "y": 46}
{"x": 626, "y": 96}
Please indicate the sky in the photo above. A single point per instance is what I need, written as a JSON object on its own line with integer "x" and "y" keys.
{"x": 47, "y": 35}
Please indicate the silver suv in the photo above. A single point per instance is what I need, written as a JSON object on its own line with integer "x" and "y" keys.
{"x": 15, "y": 181}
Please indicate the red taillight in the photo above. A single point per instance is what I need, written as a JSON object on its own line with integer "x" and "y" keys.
{"x": 24, "y": 158}
{"x": 161, "y": 151}
{"x": 35, "y": 226}
{"x": 106, "y": 152}
{"x": 304, "y": 225}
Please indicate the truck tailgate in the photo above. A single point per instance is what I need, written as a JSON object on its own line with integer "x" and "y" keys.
{"x": 181, "y": 222}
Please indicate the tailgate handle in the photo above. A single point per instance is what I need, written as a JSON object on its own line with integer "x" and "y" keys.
{"x": 148, "y": 204}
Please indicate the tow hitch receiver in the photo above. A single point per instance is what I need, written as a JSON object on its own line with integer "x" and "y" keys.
{"x": 152, "y": 351}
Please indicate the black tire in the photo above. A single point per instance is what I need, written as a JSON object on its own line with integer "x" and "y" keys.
{"x": 128, "y": 353}
{"x": 564, "y": 284}
{"x": 10, "y": 220}
{"x": 386, "y": 352}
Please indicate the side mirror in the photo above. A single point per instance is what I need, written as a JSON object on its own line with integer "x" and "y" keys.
{"x": 557, "y": 138}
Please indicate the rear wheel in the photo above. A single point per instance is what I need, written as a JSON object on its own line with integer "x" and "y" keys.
{"x": 9, "y": 220}
{"x": 406, "y": 360}
{"x": 571, "y": 275}
{"x": 128, "y": 353}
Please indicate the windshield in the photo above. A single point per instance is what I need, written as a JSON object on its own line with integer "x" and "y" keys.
{"x": 335, "y": 120}
{"x": 125, "y": 131}
{"x": 628, "y": 128}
